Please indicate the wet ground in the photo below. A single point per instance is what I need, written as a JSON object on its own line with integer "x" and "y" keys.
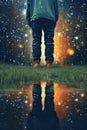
{"x": 43, "y": 106}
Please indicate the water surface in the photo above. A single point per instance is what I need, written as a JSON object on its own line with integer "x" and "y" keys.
{"x": 43, "y": 106}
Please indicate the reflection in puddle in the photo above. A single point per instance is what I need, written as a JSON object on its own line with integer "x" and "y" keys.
{"x": 43, "y": 106}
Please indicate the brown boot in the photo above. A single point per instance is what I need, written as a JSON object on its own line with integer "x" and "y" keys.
{"x": 36, "y": 64}
{"x": 49, "y": 63}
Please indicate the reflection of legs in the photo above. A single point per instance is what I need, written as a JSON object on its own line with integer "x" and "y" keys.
{"x": 37, "y": 106}
{"x": 33, "y": 122}
{"x": 51, "y": 117}
{"x": 36, "y": 32}
{"x": 49, "y": 104}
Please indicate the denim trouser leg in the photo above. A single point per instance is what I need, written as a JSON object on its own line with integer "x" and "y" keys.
{"x": 48, "y": 28}
{"x": 36, "y": 32}
{"x": 49, "y": 39}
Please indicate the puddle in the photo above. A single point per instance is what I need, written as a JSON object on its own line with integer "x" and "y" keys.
{"x": 43, "y": 106}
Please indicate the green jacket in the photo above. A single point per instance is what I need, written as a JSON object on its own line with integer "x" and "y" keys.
{"x": 42, "y": 9}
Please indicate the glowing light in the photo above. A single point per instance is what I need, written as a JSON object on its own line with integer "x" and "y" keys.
{"x": 82, "y": 94}
{"x": 20, "y": 46}
{"x": 26, "y": 101}
{"x": 30, "y": 106}
{"x": 59, "y": 33}
{"x": 61, "y": 41}
{"x": 59, "y": 103}
{"x": 7, "y": 100}
{"x": 7, "y": 36}
{"x": 76, "y": 100}
{"x": 26, "y": 35}
{"x": 20, "y": 92}
{"x": 70, "y": 51}
{"x": 78, "y": 25}
{"x": 76, "y": 37}
{"x": 24, "y": 12}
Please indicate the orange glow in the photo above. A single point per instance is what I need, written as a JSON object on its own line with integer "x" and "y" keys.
{"x": 30, "y": 95}
{"x": 20, "y": 92}
{"x": 82, "y": 94}
{"x": 60, "y": 100}
{"x": 70, "y": 51}
{"x": 59, "y": 93}
{"x": 20, "y": 46}
{"x": 62, "y": 96}
{"x": 61, "y": 40}
{"x": 60, "y": 48}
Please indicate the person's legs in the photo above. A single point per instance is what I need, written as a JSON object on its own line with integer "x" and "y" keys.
{"x": 48, "y": 28}
{"x": 36, "y": 33}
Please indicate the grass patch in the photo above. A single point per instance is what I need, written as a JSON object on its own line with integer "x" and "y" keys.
{"x": 13, "y": 76}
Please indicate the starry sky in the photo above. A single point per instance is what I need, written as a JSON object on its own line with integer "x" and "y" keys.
{"x": 70, "y": 32}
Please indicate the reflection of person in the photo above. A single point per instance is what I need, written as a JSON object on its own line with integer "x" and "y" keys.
{"x": 46, "y": 119}
{"x": 42, "y": 15}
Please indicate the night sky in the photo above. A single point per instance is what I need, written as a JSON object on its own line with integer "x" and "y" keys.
{"x": 15, "y": 37}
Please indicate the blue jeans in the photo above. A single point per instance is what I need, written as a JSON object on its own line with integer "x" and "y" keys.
{"x": 48, "y": 27}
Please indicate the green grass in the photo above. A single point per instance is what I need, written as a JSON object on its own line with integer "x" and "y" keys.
{"x": 13, "y": 76}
